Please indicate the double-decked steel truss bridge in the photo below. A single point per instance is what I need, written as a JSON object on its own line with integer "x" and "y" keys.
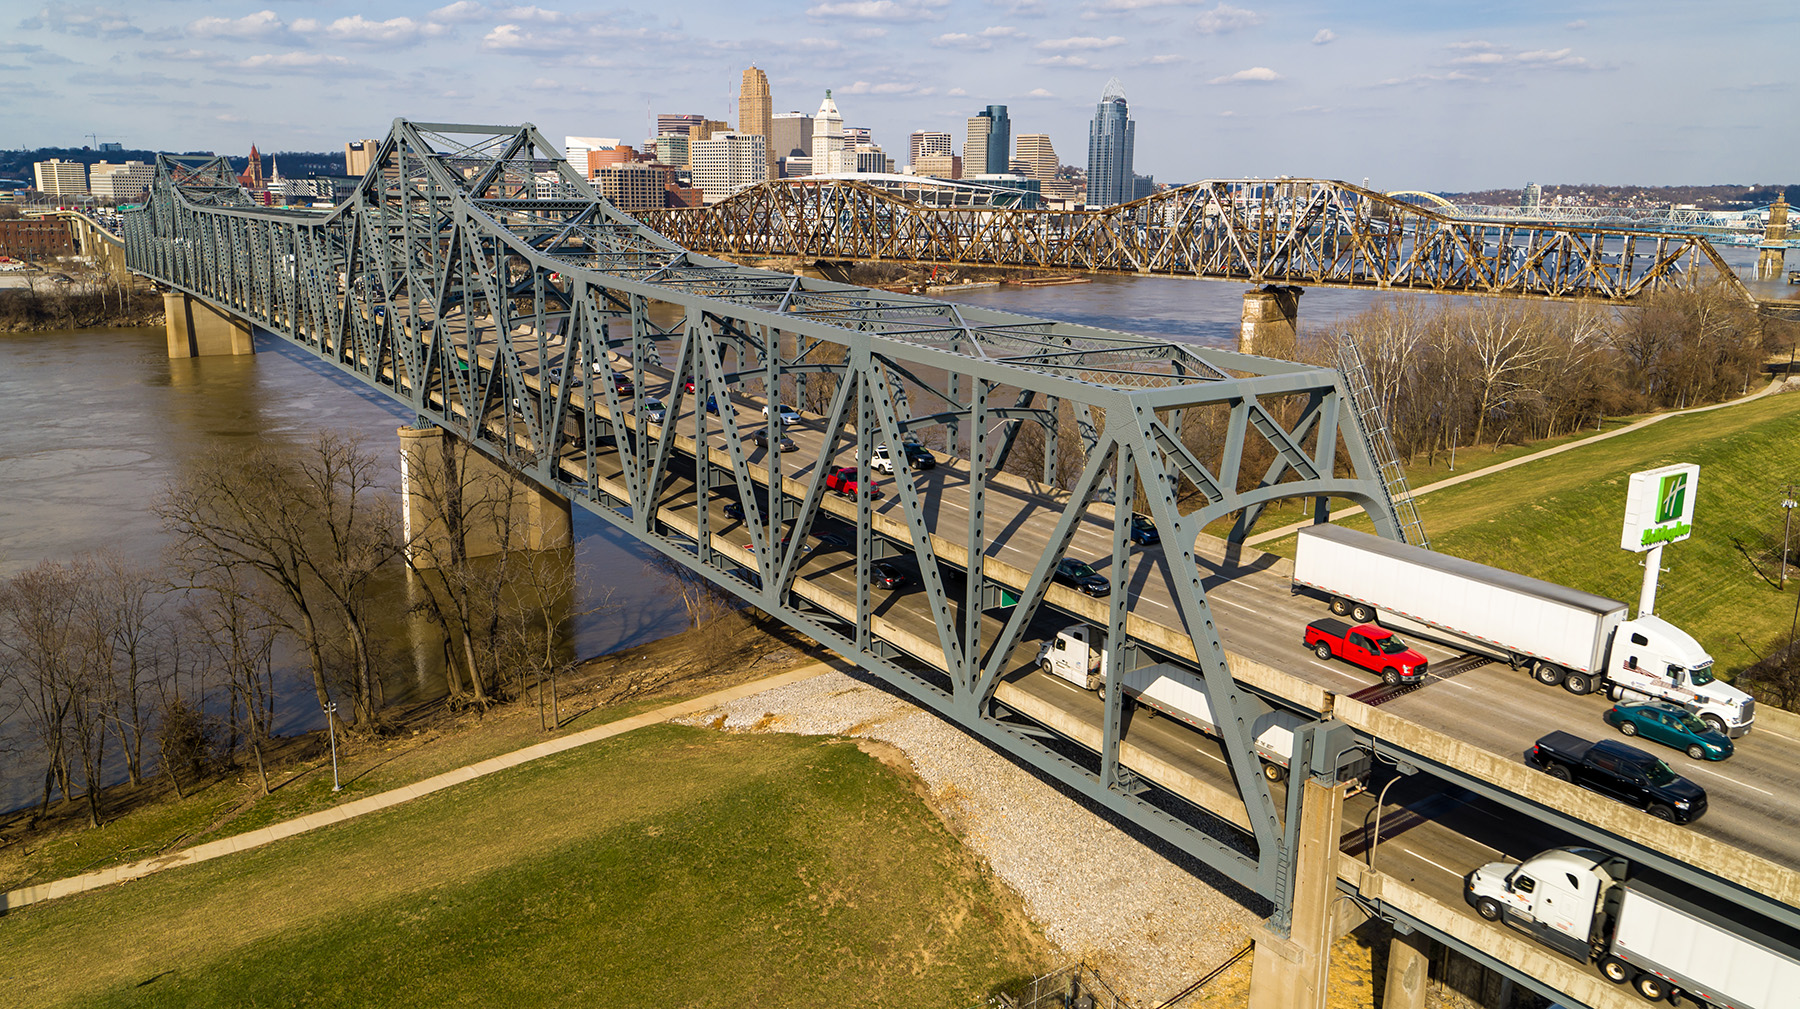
{"x": 1306, "y": 232}
{"x": 600, "y": 359}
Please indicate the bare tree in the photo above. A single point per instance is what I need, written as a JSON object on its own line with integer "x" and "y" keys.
{"x": 38, "y": 607}
{"x": 239, "y": 631}
{"x": 314, "y": 523}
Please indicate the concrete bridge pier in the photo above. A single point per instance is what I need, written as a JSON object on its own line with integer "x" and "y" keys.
{"x": 1770, "y": 260}
{"x": 196, "y": 329}
{"x": 457, "y": 502}
{"x": 1270, "y": 327}
{"x": 1408, "y": 968}
{"x": 1291, "y": 972}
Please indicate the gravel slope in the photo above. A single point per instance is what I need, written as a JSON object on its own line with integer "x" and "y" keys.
{"x": 1151, "y": 920}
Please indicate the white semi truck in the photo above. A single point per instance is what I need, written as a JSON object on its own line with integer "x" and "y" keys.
{"x": 1560, "y": 635}
{"x": 1579, "y": 902}
{"x": 1177, "y": 692}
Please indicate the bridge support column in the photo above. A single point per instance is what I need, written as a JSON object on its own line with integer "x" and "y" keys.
{"x": 458, "y": 502}
{"x": 1269, "y": 327}
{"x": 1408, "y": 968}
{"x": 1290, "y": 972}
{"x": 1770, "y": 260}
{"x": 196, "y": 329}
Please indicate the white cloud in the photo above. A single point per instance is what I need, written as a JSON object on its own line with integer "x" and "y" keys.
{"x": 961, "y": 40}
{"x": 1325, "y": 37}
{"x": 1002, "y": 32}
{"x": 1486, "y": 54}
{"x": 1159, "y": 60}
{"x": 869, "y": 32}
{"x": 1226, "y": 18}
{"x": 293, "y": 62}
{"x": 1083, "y": 43}
{"x": 460, "y": 11}
{"x": 1039, "y": 93}
{"x": 819, "y": 45}
{"x": 536, "y": 15}
{"x": 957, "y": 93}
{"x": 89, "y": 22}
{"x": 1139, "y": 5}
{"x": 358, "y": 30}
{"x": 1066, "y": 60}
{"x": 886, "y": 88}
{"x": 1453, "y": 77}
{"x": 880, "y": 10}
{"x": 262, "y": 24}
{"x": 1254, "y": 75}
{"x": 1576, "y": 25}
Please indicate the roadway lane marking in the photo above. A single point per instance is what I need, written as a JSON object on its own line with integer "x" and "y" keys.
{"x": 1777, "y": 735}
{"x": 1735, "y": 781}
{"x": 1429, "y": 862}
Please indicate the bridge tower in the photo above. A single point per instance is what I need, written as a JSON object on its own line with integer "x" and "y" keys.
{"x": 1770, "y": 260}
{"x": 1270, "y": 326}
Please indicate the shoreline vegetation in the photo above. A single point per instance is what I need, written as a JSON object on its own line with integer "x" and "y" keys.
{"x": 70, "y": 297}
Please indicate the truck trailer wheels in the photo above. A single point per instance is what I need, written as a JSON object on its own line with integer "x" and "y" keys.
{"x": 1615, "y": 970}
{"x": 1362, "y": 613}
{"x": 1651, "y": 987}
{"x": 1549, "y": 673}
{"x": 1340, "y": 606}
{"x": 1578, "y": 684}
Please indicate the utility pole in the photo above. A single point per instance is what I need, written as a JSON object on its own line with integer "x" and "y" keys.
{"x": 1787, "y": 524}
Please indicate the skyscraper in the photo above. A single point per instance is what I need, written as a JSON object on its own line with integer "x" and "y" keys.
{"x": 754, "y": 111}
{"x": 357, "y": 156}
{"x": 828, "y": 138}
{"x": 928, "y": 142}
{"x": 1039, "y": 156}
{"x": 727, "y": 163}
{"x": 999, "y": 145}
{"x": 1110, "y": 138}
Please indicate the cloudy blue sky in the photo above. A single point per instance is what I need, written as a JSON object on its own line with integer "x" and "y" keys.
{"x": 1440, "y": 95}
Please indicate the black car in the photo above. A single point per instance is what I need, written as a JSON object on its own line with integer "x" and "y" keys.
{"x": 886, "y": 576}
{"x": 918, "y": 456}
{"x": 1082, "y": 577}
{"x": 1622, "y": 772}
{"x": 1143, "y": 531}
{"x": 734, "y": 510}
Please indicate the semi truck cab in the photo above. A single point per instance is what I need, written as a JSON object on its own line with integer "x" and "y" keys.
{"x": 1557, "y": 897}
{"x": 1651, "y": 657}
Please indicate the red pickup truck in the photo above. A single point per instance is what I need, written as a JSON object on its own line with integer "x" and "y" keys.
{"x": 1370, "y": 646}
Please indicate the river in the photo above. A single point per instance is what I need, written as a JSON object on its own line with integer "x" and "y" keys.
{"x": 95, "y": 424}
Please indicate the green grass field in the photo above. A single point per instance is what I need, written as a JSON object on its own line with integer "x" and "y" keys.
{"x": 670, "y": 867}
{"x": 1560, "y": 518}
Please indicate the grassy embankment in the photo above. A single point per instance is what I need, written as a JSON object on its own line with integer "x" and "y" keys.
{"x": 671, "y": 866}
{"x": 1559, "y": 519}
{"x": 146, "y": 821}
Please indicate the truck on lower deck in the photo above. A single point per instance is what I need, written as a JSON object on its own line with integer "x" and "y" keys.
{"x": 1078, "y": 655}
{"x": 1580, "y": 902}
{"x": 1560, "y": 635}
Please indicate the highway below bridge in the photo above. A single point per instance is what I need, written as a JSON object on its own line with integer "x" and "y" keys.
{"x": 448, "y": 285}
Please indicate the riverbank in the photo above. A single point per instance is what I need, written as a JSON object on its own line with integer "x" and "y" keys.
{"x": 422, "y": 740}
{"x": 38, "y": 300}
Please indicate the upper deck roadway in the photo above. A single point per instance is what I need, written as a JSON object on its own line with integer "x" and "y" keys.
{"x": 444, "y": 284}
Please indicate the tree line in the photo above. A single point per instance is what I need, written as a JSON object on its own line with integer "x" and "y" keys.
{"x": 103, "y": 662}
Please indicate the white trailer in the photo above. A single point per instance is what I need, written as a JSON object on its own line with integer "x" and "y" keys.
{"x": 1177, "y": 692}
{"x": 1561, "y": 635}
{"x": 1578, "y": 901}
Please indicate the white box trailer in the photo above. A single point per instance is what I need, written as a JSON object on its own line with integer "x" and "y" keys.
{"x": 1705, "y": 958}
{"x": 1564, "y": 636}
{"x": 1173, "y": 690}
{"x": 1488, "y": 610}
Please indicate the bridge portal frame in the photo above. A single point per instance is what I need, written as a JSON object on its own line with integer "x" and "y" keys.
{"x": 473, "y": 268}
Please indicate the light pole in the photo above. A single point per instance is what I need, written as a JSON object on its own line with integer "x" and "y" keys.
{"x": 330, "y": 709}
{"x": 1787, "y": 523}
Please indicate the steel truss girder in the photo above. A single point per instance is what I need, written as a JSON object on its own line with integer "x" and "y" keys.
{"x": 1312, "y": 232}
{"x": 447, "y": 285}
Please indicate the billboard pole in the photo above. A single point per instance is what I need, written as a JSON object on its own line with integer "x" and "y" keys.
{"x": 1652, "y": 567}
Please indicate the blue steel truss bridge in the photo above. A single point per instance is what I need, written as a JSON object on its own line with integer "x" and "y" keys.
{"x": 595, "y": 357}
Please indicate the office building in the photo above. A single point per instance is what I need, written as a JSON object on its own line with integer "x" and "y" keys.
{"x": 111, "y": 146}
{"x": 704, "y": 131}
{"x": 1110, "y": 140}
{"x": 577, "y": 149}
{"x": 36, "y": 237}
{"x": 673, "y": 149}
{"x": 828, "y": 138}
{"x": 669, "y": 122}
{"x": 867, "y": 158}
{"x": 938, "y": 166}
{"x": 1037, "y": 157}
{"x": 617, "y": 155}
{"x": 359, "y": 155}
{"x": 121, "y": 182}
{"x": 1533, "y": 198}
{"x": 631, "y": 186}
{"x": 1142, "y": 186}
{"x": 795, "y": 166}
{"x": 755, "y": 114}
{"x": 854, "y": 135}
{"x": 729, "y": 162}
{"x": 990, "y": 136}
{"x": 790, "y": 132}
{"x": 927, "y": 142}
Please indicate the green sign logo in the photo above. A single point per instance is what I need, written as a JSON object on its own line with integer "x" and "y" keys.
{"x": 1670, "y": 498}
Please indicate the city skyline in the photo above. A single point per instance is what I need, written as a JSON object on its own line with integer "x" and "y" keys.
{"x": 1410, "y": 96}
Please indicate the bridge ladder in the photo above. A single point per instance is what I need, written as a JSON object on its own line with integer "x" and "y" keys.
{"x": 1373, "y": 421}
